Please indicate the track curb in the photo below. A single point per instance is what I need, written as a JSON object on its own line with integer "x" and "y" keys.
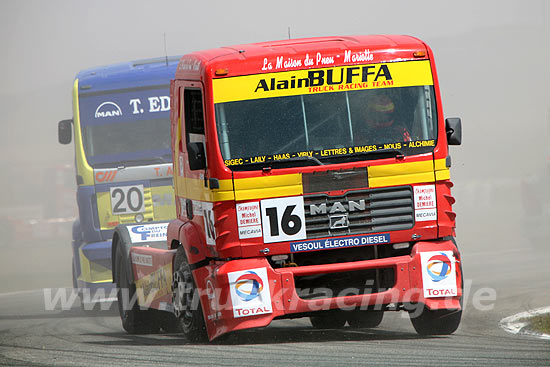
{"x": 514, "y": 325}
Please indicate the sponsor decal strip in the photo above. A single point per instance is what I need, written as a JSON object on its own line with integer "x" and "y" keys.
{"x": 326, "y": 153}
{"x": 341, "y": 242}
{"x": 325, "y": 80}
{"x": 150, "y": 172}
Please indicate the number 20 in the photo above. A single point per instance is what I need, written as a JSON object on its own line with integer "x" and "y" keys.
{"x": 127, "y": 199}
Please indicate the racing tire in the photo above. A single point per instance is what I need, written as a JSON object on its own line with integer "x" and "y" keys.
{"x": 169, "y": 323}
{"x": 328, "y": 320}
{"x": 134, "y": 320}
{"x": 186, "y": 300}
{"x": 360, "y": 319}
{"x": 436, "y": 322}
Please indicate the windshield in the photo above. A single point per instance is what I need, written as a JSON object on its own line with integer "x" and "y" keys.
{"x": 126, "y": 127}
{"x": 331, "y": 127}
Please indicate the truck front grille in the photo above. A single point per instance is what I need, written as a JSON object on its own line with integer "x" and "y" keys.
{"x": 372, "y": 210}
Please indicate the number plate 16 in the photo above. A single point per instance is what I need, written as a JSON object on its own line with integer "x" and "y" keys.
{"x": 127, "y": 199}
{"x": 283, "y": 219}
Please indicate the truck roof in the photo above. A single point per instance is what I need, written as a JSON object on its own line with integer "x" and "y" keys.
{"x": 133, "y": 74}
{"x": 249, "y": 58}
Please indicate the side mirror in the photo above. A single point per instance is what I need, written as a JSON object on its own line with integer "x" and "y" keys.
{"x": 65, "y": 131}
{"x": 197, "y": 159}
{"x": 453, "y": 126}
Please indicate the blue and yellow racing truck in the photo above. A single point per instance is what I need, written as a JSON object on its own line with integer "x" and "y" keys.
{"x": 121, "y": 124}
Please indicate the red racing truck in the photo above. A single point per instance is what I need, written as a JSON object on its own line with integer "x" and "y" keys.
{"x": 312, "y": 180}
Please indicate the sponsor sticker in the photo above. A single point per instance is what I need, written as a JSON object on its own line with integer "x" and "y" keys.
{"x": 250, "y": 293}
{"x": 438, "y": 274}
{"x": 154, "y": 285}
{"x": 249, "y": 220}
{"x": 208, "y": 216}
{"x": 211, "y": 294}
{"x": 148, "y": 232}
{"x": 141, "y": 259}
{"x": 425, "y": 206}
{"x": 197, "y": 207}
{"x": 341, "y": 242}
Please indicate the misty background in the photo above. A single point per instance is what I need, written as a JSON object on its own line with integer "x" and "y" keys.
{"x": 492, "y": 60}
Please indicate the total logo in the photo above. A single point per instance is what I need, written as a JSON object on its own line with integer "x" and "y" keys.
{"x": 249, "y": 286}
{"x": 439, "y": 267}
{"x": 250, "y": 294}
{"x": 439, "y": 274}
{"x": 108, "y": 109}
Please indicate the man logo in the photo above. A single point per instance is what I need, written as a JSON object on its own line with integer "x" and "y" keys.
{"x": 339, "y": 221}
{"x": 338, "y": 207}
{"x": 108, "y": 109}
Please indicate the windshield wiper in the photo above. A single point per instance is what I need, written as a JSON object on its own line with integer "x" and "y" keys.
{"x": 304, "y": 158}
{"x": 135, "y": 162}
{"x": 390, "y": 151}
{"x": 270, "y": 164}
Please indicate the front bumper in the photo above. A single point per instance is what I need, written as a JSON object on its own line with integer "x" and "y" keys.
{"x": 94, "y": 275}
{"x": 248, "y": 293}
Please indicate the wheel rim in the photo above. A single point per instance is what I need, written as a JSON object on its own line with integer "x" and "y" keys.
{"x": 182, "y": 296}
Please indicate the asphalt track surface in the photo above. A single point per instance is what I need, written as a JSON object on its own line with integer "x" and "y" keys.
{"x": 496, "y": 287}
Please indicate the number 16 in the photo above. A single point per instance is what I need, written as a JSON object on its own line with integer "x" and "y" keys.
{"x": 283, "y": 219}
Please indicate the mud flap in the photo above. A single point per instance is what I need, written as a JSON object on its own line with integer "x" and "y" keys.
{"x": 150, "y": 234}
{"x": 437, "y": 274}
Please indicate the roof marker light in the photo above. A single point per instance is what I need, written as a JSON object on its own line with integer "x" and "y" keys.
{"x": 221, "y": 72}
{"x": 419, "y": 54}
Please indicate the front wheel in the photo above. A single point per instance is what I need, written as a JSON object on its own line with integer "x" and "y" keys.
{"x": 185, "y": 298}
{"x": 436, "y": 322}
{"x": 134, "y": 320}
